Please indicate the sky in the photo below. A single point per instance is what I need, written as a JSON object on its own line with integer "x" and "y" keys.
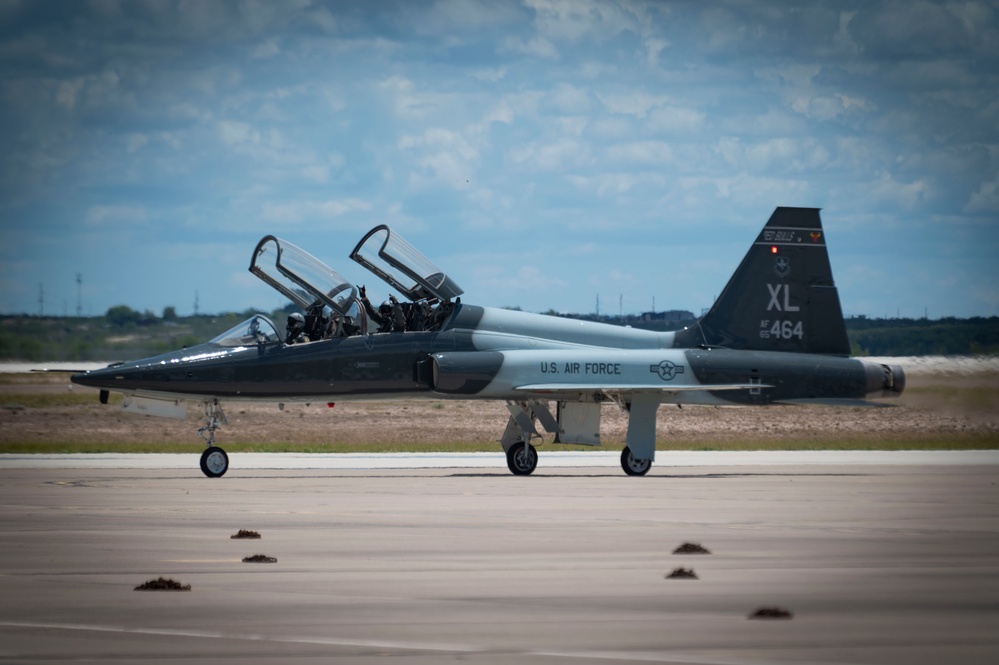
{"x": 568, "y": 155}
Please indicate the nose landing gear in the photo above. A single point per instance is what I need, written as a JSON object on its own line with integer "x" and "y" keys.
{"x": 214, "y": 461}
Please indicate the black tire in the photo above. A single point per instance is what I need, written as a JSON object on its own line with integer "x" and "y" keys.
{"x": 522, "y": 459}
{"x": 214, "y": 462}
{"x": 633, "y": 466}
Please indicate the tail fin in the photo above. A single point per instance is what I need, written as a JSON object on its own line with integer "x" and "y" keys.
{"x": 782, "y": 296}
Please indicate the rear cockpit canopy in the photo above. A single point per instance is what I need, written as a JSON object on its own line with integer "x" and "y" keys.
{"x": 301, "y": 277}
{"x": 390, "y": 257}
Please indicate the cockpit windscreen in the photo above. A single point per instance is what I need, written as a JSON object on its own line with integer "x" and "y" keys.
{"x": 257, "y": 329}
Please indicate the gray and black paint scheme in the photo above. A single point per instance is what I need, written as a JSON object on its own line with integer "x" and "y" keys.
{"x": 775, "y": 335}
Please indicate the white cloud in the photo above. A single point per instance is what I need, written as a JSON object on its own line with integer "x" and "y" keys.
{"x": 294, "y": 212}
{"x": 135, "y": 142}
{"x": 498, "y": 116}
{"x": 492, "y": 75}
{"x": 266, "y": 49}
{"x": 231, "y": 132}
{"x": 511, "y": 107}
{"x": 749, "y": 191}
{"x": 779, "y": 155}
{"x": 986, "y": 199}
{"x": 641, "y": 153}
{"x": 615, "y": 184}
{"x": 115, "y": 215}
{"x": 886, "y": 190}
{"x": 569, "y": 99}
{"x": 538, "y": 47}
{"x": 316, "y": 173}
{"x": 455, "y": 19}
{"x": 506, "y": 280}
{"x": 444, "y": 157}
{"x": 572, "y": 125}
{"x": 550, "y": 155}
{"x": 68, "y": 91}
{"x": 675, "y": 120}
{"x": 653, "y": 47}
{"x": 574, "y": 20}
{"x": 637, "y": 103}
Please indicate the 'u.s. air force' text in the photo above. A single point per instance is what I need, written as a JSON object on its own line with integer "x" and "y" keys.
{"x": 603, "y": 369}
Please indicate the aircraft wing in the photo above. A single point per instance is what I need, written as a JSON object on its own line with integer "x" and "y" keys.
{"x": 637, "y": 387}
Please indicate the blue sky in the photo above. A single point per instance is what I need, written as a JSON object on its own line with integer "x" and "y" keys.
{"x": 544, "y": 153}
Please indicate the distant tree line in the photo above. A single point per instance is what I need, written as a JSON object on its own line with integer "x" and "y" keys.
{"x": 124, "y": 333}
{"x": 923, "y": 337}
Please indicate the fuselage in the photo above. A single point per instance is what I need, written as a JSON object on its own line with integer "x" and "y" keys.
{"x": 489, "y": 353}
{"x": 776, "y": 334}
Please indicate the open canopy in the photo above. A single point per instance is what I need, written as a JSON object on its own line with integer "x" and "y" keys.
{"x": 301, "y": 277}
{"x": 390, "y": 257}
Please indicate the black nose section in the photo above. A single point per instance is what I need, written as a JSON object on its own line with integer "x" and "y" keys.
{"x": 98, "y": 378}
{"x": 89, "y": 379}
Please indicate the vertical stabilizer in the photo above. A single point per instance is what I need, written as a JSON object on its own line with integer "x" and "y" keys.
{"x": 782, "y": 297}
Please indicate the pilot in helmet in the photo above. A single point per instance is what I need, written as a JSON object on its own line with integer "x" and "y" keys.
{"x": 295, "y": 331}
{"x": 388, "y": 317}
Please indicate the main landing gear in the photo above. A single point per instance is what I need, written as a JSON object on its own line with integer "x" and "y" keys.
{"x": 576, "y": 426}
{"x": 214, "y": 461}
{"x": 522, "y": 459}
{"x": 633, "y": 466}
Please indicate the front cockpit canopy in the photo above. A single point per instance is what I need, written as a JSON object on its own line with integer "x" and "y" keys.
{"x": 257, "y": 329}
{"x": 301, "y": 277}
{"x": 388, "y": 255}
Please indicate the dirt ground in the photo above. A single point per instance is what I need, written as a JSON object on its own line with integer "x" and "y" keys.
{"x": 940, "y": 403}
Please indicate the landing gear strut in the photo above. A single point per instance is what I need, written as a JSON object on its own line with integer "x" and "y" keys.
{"x": 214, "y": 461}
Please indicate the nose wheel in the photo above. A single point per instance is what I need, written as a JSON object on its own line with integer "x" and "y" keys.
{"x": 214, "y": 462}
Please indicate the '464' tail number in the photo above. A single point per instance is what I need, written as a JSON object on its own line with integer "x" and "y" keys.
{"x": 781, "y": 329}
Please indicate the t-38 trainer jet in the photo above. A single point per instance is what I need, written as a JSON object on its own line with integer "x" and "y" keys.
{"x": 774, "y": 336}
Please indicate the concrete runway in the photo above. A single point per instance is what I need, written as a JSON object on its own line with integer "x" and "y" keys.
{"x": 879, "y": 562}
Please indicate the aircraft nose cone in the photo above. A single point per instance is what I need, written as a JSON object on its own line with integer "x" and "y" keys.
{"x": 97, "y": 378}
{"x": 84, "y": 379}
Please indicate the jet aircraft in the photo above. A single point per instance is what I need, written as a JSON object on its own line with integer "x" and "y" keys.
{"x": 775, "y": 335}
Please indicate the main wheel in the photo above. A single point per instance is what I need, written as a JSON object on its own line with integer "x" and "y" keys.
{"x": 522, "y": 458}
{"x": 214, "y": 462}
{"x": 633, "y": 466}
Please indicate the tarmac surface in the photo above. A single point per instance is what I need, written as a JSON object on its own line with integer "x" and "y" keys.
{"x": 879, "y": 559}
